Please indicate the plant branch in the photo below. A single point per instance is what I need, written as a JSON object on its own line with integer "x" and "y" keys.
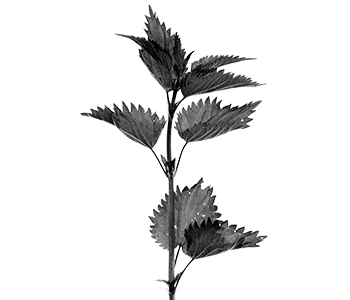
{"x": 159, "y": 161}
{"x": 178, "y": 103}
{"x": 178, "y": 162}
{"x": 177, "y": 283}
{"x": 177, "y": 254}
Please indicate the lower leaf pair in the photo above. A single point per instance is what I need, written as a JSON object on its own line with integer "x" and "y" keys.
{"x": 197, "y": 229}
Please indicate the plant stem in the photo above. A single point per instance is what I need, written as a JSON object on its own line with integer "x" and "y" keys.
{"x": 171, "y": 170}
{"x": 171, "y": 240}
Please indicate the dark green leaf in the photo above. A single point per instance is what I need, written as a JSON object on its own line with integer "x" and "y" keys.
{"x": 197, "y": 83}
{"x": 209, "y": 64}
{"x": 211, "y": 238}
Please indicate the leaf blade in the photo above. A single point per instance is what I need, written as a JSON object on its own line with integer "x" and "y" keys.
{"x": 207, "y": 120}
{"x": 197, "y": 83}
{"x": 214, "y": 237}
{"x": 194, "y": 205}
{"x": 191, "y": 204}
{"x": 140, "y": 126}
{"x": 209, "y": 64}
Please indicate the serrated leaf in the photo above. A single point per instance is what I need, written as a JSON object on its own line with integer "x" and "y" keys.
{"x": 160, "y": 227}
{"x": 208, "y": 64}
{"x": 214, "y": 237}
{"x": 158, "y": 33}
{"x": 137, "y": 124}
{"x": 160, "y": 55}
{"x": 194, "y": 205}
{"x": 180, "y": 61}
{"x": 157, "y": 70}
{"x": 206, "y": 120}
{"x": 191, "y": 204}
{"x": 197, "y": 83}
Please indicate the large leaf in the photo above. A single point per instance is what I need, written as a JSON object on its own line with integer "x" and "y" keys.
{"x": 191, "y": 205}
{"x": 206, "y": 120}
{"x": 194, "y": 205}
{"x": 210, "y": 238}
{"x": 197, "y": 83}
{"x": 137, "y": 124}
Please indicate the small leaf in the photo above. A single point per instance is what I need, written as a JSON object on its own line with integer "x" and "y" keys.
{"x": 159, "y": 54}
{"x": 197, "y": 83}
{"x": 180, "y": 62}
{"x": 157, "y": 70}
{"x": 191, "y": 204}
{"x": 158, "y": 33}
{"x": 209, "y": 64}
{"x": 137, "y": 124}
{"x": 163, "y": 160}
{"x": 206, "y": 120}
{"x": 172, "y": 166}
{"x": 211, "y": 238}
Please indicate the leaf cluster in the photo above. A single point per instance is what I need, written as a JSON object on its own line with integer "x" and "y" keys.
{"x": 163, "y": 55}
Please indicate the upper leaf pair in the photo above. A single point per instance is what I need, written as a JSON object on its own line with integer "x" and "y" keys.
{"x": 163, "y": 55}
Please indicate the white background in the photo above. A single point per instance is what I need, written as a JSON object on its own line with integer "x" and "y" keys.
{"x": 73, "y": 197}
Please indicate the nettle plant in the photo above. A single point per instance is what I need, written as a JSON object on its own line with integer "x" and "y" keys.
{"x": 187, "y": 219}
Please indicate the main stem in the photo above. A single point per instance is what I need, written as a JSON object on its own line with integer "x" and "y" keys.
{"x": 171, "y": 174}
